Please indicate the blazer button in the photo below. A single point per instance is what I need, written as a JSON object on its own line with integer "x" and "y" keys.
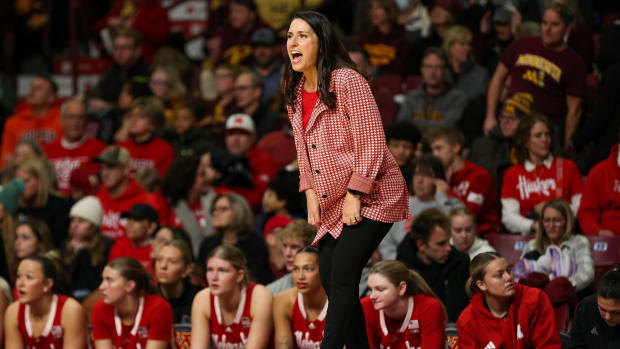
{"x": 313, "y": 146}
{"x": 324, "y": 196}
{"x": 317, "y": 172}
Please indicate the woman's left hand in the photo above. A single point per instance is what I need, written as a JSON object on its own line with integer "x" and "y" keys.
{"x": 351, "y": 209}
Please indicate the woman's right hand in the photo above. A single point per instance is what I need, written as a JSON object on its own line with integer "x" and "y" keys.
{"x": 314, "y": 210}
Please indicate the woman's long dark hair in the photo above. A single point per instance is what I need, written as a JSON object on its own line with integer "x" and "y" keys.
{"x": 180, "y": 179}
{"x": 331, "y": 55}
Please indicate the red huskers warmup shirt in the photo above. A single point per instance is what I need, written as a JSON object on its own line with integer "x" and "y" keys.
{"x": 52, "y": 333}
{"x": 475, "y": 187}
{"x": 66, "y": 159}
{"x": 236, "y": 334}
{"x": 422, "y": 327}
{"x": 155, "y": 153}
{"x": 153, "y": 321}
{"x": 308, "y": 334}
{"x": 530, "y": 323}
{"x": 559, "y": 180}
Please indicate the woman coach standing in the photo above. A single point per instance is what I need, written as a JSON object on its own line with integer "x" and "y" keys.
{"x": 353, "y": 186}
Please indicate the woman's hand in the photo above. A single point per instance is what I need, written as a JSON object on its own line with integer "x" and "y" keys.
{"x": 314, "y": 210}
{"x": 351, "y": 209}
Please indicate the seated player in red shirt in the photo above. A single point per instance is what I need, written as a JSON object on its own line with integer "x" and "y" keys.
{"x": 537, "y": 178}
{"x": 130, "y": 315}
{"x": 402, "y": 311}
{"x": 299, "y": 312}
{"x": 41, "y": 318}
{"x": 502, "y": 313}
{"x": 231, "y": 312}
{"x": 468, "y": 182}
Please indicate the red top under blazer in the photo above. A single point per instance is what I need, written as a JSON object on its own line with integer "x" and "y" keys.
{"x": 344, "y": 148}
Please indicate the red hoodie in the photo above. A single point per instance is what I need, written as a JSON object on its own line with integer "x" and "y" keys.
{"x": 112, "y": 225}
{"x": 600, "y": 203}
{"x": 475, "y": 187}
{"x": 529, "y": 324}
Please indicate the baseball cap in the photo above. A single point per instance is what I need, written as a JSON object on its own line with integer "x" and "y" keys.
{"x": 241, "y": 122}
{"x": 140, "y": 212}
{"x": 263, "y": 36}
{"x": 114, "y": 155}
{"x": 502, "y": 15}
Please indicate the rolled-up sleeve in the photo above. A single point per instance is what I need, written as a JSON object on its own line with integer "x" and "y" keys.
{"x": 367, "y": 133}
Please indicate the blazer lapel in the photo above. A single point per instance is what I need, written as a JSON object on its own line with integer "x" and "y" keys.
{"x": 319, "y": 107}
{"x": 297, "y": 120}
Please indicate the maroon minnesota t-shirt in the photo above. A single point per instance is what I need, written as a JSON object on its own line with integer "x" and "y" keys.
{"x": 548, "y": 75}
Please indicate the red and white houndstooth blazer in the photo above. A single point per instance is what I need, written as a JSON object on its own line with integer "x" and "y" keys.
{"x": 345, "y": 148}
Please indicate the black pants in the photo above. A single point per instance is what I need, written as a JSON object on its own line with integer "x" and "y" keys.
{"x": 340, "y": 265}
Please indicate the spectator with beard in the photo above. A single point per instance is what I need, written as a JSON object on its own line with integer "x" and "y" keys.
{"x": 248, "y": 91}
{"x": 146, "y": 149}
{"x": 74, "y": 148}
{"x": 435, "y": 102}
{"x": 267, "y": 63}
{"x": 37, "y": 120}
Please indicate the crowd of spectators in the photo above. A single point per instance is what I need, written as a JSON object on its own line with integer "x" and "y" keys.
{"x": 502, "y": 116}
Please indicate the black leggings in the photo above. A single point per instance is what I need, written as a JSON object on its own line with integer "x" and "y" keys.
{"x": 341, "y": 263}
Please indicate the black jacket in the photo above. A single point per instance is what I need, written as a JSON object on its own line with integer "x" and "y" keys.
{"x": 589, "y": 330}
{"x": 111, "y": 83}
{"x": 447, "y": 280}
{"x": 182, "y": 306}
{"x": 255, "y": 251}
